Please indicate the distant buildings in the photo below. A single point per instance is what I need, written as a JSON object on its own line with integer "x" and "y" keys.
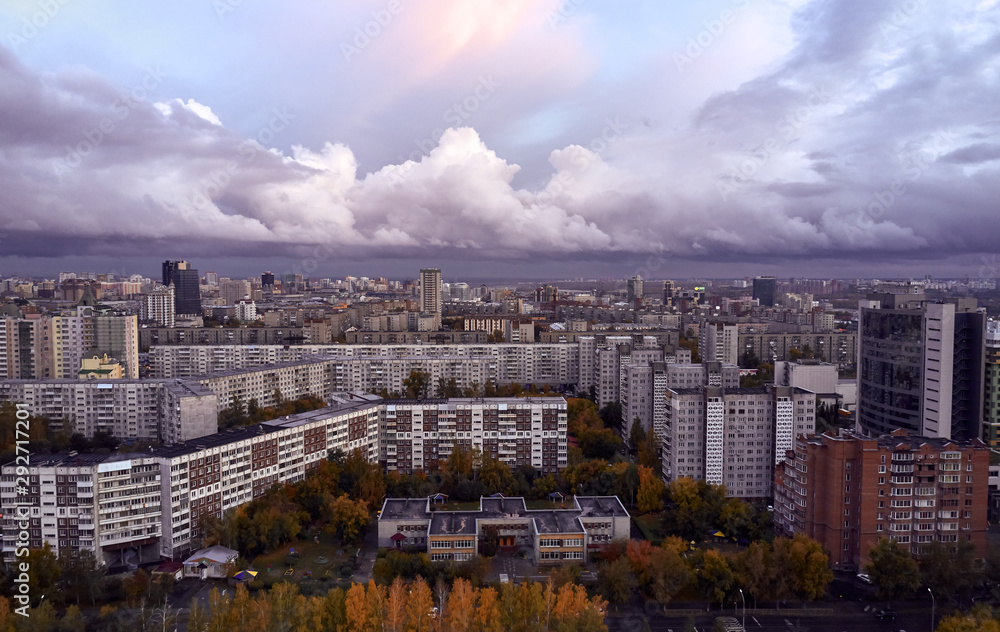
{"x": 187, "y": 286}
{"x": 159, "y": 306}
{"x": 719, "y": 342}
{"x": 849, "y": 491}
{"x": 52, "y": 345}
{"x": 430, "y": 291}
{"x": 764, "y": 290}
{"x": 634, "y": 290}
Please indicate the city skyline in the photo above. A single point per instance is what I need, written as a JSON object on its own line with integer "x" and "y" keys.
{"x": 743, "y": 138}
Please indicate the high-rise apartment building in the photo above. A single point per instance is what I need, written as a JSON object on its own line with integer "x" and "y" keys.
{"x": 267, "y": 280}
{"x": 764, "y": 290}
{"x": 920, "y": 366}
{"x": 430, "y": 291}
{"x": 159, "y": 306}
{"x": 733, "y": 437}
{"x": 187, "y": 286}
{"x": 848, "y": 491}
{"x": 718, "y": 342}
{"x": 991, "y": 397}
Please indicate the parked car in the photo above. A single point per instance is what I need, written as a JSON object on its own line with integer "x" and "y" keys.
{"x": 865, "y": 578}
{"x": 885, "y": 614}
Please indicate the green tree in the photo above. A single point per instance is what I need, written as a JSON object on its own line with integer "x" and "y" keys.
{"x": 616, "y": 581}
{"x": 715, "y": 577}
{"x": 636, "y": 437}
{"x": 806, "y": 565}
{"x": 611, "y": 415}
{"x": 892, "y": 570}
{"x": 45, "y": 571}
{"x": 417, "y": 385}
{"x": 950, "y": 568}
{"x": 649, "y": 451}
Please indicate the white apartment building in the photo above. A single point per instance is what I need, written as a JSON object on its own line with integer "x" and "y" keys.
{"x": 420, "y": 435}
{"x": 733, "y": 437}
{"x": 136, "y": 508}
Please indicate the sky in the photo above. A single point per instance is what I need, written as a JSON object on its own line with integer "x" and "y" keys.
{"x": 502, "y": 138}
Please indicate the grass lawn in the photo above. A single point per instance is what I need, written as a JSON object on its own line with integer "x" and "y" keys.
{"x": 649, "y": 524}
{"x": 328, "y": 559}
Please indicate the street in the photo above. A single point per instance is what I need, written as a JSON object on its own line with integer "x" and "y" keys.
{"x": 827, "y": 621}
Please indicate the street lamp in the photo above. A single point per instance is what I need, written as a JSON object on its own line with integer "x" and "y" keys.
{"x": 933, "y": 604}
{"x": 744, "y": 609}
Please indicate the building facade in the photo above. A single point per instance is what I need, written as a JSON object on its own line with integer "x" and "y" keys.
{"x": 848, "y": 491}
{"x": 430, "y": 291}
{"x": 920, "y": 366}
{"x": 733, "y": 437}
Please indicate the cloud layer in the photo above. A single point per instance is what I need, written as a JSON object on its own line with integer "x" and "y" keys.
{"x": 868, "y": 131}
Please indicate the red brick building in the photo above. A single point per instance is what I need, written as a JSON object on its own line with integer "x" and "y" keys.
{"x": 848, "y": 491}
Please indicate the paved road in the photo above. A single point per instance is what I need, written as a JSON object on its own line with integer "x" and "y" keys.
{"x": 829, "y": 622}
{"x": 366, "y": 558}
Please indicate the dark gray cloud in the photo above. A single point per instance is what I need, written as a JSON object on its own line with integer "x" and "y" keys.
{"x": 871, "y": 138}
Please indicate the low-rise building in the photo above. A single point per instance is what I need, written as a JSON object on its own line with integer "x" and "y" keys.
{"x": 550, "y": 536}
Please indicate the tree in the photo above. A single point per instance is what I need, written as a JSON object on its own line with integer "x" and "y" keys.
{"x": 715, "y": 577}
{"x": 806, "y": 565}
{"x": 419, "y": 606}
{"x": 650, "y": 495}
{"x": 636, "y": 437}
{"x": 347, "y": 518}
{"x": 950, "y": 568}
{"x": 82, "y": 577}
{"x": 356, "y": 609}
{"x": 892, "y": 570}
{"x": 461, "y": 607}
{"x": 395, "y": 605}
{"x": 611, "y": 415}
{"x": 981, "y": 619}
{"x": 45, "y": 570}
{"x": 417, "y": 385}
{"x": 669, "y": 572}
{"x": 616, "y": 581}
{"x": 649, "y": 451}
{"x": 487, "y": 617}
